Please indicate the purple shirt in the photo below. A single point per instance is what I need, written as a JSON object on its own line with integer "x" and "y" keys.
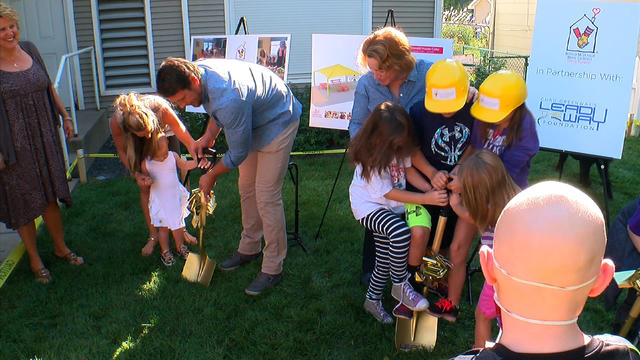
{"x": 516, "y": 157}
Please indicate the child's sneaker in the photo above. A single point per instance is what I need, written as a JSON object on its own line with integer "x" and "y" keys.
{"x": 374, "y": 307}
{"x": 402, "y": 311}
{"x": 167, "y": 258}
{"x": 404, "y": 293}
{"x": 445, "y": 309}
{"x": 183, "y": 251}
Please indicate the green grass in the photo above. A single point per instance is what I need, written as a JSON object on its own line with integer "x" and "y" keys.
{"x": 124, "y": 306}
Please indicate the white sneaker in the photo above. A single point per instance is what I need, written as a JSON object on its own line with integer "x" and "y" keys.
{"x": 405, "y": 293}
{"x": 374, "y": 307}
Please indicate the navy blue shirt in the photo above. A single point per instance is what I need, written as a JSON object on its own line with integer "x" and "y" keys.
{"x": 442, "y": 140}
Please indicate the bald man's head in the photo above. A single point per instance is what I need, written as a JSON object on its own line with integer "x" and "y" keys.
{"x": 551, "y": 233}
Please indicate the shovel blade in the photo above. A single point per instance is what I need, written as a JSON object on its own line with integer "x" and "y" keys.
{"x": 191, "y": 268}
{"x": 204, "y": 278}
{"x": 417, "y": 333}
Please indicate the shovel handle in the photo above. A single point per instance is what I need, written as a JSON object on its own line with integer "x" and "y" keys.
{"x": 442, "y": 224}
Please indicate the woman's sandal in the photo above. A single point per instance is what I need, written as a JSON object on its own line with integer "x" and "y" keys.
{"x": 43, "y": 276}
{"x": 149, "y": 246}
{"x": 72, "y": 258}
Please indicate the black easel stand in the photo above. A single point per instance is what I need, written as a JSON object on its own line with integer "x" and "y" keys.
{"x": 330, "y": 195}
{"x": 601, "y": 164}
{"x": 390, "y": 17}
{"x": 295, "y": 235}
{"x": 243, "y": 23}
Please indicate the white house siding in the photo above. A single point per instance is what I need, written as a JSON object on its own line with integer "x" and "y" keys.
{"x": 84, "y": 35}
{"x": 166, "y": 22}
{"x": 206, "y": 17}
{"x": 414, "y": 17}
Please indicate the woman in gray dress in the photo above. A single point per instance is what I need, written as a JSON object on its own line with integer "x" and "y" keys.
{"x": 32, "y": 171}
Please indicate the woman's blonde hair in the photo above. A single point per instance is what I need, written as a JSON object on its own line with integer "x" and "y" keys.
{"x": 10, "y": 13}
{"x": 387, "y": 134}
{"x": 486, "y": 187}
{"x": 390, "y": 47}
{"x": 138, "y": 117}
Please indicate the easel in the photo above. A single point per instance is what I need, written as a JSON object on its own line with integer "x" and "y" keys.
{"x": 602, "y": 170}
{"x": 391, "y": 17}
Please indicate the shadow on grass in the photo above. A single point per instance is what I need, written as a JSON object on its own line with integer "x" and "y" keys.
{"x": 124, "y": 306}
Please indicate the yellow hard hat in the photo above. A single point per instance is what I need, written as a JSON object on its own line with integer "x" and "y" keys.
{"x": 499, "y": 94}
{"x": 447, "y": 87}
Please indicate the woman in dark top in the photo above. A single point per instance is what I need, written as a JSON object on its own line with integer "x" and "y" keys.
{"x": 32, "y": 171}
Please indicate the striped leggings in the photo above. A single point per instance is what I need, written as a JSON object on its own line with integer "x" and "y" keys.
{"x": 392, "y": 237}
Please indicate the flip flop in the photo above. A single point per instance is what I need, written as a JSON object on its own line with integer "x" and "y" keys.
{"x": 43, "y": 276}
{"x": 72, "y": 258}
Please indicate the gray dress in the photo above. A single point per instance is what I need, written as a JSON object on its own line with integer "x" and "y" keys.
{"x": 38, "y": 176}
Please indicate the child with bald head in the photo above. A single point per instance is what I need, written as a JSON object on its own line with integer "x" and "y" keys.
{"x": 546, "y": 261}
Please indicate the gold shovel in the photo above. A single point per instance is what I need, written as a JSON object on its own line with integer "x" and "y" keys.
{"x": 421, "y": 331}
{"x": 199, "y": 268}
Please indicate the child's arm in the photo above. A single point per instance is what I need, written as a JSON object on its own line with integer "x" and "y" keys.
{"x": 414, "y": 177}
{"x": 184, "y": 164}
{"x": 433, "y": 197}
{"x": 455, "y": 200}
{"x": 438, "y": 178}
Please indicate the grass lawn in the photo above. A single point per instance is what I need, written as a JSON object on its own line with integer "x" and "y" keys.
{"x": 124, "y": 306}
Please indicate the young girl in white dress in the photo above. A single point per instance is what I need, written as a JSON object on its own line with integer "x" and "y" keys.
{"x": 168, "y": 198}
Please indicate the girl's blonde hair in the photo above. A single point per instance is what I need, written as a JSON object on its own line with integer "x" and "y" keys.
{"x": 486, "y": 187}
{"x": 9, "y": 13}
{"x": 390, "y": 47}
{"x": 138, "y": 117}
{"x": 387, "y": 134}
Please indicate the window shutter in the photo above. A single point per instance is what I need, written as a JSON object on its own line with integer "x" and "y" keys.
{"x": 124, "y": 45}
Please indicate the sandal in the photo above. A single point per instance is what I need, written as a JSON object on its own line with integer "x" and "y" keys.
{"x": 167, "y": 258}
{"x": 43, "y": 276}
{"x": 149, "y": 246}
{"x": 72, "y": 258}
{"x": 188, "y": 238}
{"x": 183, "y": 251}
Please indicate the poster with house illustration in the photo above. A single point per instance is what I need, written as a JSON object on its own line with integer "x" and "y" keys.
{"x": 335, "y": 73}
{"x": 268, "y": 50}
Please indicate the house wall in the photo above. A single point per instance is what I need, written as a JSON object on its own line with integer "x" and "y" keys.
{"x": 513, "y": 24}
{"x": 414, "y": 17}
{"x": 206, "y": 17}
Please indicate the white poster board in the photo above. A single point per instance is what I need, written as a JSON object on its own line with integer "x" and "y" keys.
{"x": 580, "y": 74}
{"x": 335, "y": 73}
{"x": 269, "y": 50}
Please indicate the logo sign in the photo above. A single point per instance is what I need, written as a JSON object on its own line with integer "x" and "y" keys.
{"x": 580, "y": 74}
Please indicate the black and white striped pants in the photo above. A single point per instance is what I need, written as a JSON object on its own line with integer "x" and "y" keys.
{"x": 392, "y": 237}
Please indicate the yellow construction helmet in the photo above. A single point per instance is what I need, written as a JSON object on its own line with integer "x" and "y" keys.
{"x": 447, "y": 87}
{"x": 500, "y": 94}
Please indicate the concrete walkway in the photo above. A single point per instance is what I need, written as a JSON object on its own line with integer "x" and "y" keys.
{"x": 10, "y": 238}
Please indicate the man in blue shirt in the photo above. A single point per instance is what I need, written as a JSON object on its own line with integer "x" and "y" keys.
{"x": 260, "y": 117}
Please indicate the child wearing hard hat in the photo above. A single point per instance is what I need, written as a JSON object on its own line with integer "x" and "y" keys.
{"x": 505, "y": 125}
{"x": 443, "y": 125}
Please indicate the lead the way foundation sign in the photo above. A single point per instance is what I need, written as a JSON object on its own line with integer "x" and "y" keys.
{"x": 581, "y": 72}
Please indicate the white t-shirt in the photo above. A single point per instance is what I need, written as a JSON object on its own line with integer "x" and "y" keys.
{"x": 369, "y": 196}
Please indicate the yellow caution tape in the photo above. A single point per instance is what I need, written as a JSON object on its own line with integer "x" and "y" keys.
{"x": 10, "y": 262}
